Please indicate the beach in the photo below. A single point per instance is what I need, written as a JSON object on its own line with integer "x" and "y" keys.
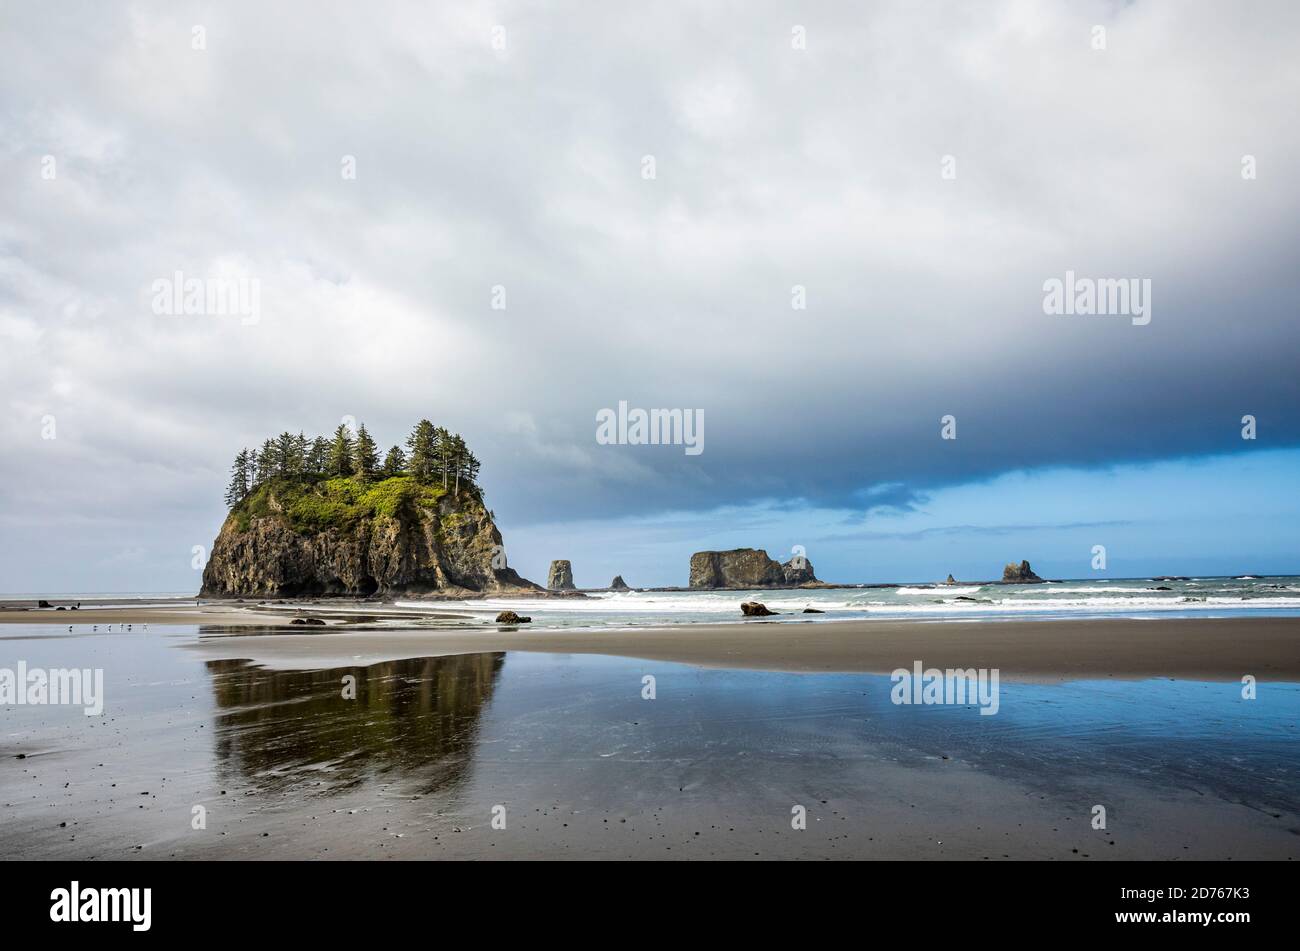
{"x": 426, "y": 732}
{"x": 218, "y": 744}
{"x": 1267, "y": 648}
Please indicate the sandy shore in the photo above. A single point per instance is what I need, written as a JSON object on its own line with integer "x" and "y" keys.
{"x": 1201, "y": 649}
{"x": 288, "y": 766}
{"x": 219, "y": 613}
{"x": 1188, "y": 648}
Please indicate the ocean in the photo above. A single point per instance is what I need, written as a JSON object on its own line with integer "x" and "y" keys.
{"x": 1136, "y": 598}
{"x": 1245, "y": 595}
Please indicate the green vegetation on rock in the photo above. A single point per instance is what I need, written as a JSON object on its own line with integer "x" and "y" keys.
{"x": 333, "y": 483}
{"x": 313, "y": 505}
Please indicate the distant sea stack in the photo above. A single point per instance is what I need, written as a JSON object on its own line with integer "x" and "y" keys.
{"x": 560, "y": 577}
{"x": 618, "y": 584}
{"x": 747, "y": 568}
{"x": 1019, "y": 574}
{"x": 326, "y": 519}
{"x": 799, "y": 571}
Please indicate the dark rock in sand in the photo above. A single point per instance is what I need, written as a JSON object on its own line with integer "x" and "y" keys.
{"x": 560, "y": 577}
{"x": 618, "y": 584}
{"x": 510, "y": 617}
{"x": 313, "y": 621}
{"x": 1019, "y": 574}
{"x": 755, "y": 609}
{"x": 42, "y": 603}
{"x": 812, "y": 611}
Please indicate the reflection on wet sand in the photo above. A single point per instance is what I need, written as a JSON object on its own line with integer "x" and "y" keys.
{"x": 414, "y": 720}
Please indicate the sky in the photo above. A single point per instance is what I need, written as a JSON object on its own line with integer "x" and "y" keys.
{"x": 508, "y": 217}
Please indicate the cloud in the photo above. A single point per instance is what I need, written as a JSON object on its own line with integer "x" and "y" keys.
{"x": 521, "y": 167}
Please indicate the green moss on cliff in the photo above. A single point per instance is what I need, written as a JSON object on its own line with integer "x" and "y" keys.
{"x": 319, "y": 505}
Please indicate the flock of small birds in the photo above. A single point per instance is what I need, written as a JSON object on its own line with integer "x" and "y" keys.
{"x": 122, "y": 628}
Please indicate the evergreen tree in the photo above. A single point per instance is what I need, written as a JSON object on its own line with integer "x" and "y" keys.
{"x": 422, "y": 443}
{"x": 365, "y": 455}
{"x": 471, "y": 467}
{"x": 268, "y": 462}
{"x": 286, "y": 455}
{"x": 318, "y": 457}
{"x": 442, "y": 452}
{"x": 456, "y": 458}
{"x": 254, "y": 469}
{"x": 301, "y": 449}
{"x": 339, "y": 462}
{"x": 237, "y": 491}
{"x": 394, "y": 463}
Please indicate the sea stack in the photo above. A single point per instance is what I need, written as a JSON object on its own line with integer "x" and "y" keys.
{"x": 952, "y": 580}
{"x": 618, "y": 584}
{"x": 1019, "y": 574}
{"x": 798, "y": 570}
{"x": 749, "y": 568}
{"x": 298, "y": 538}
{"x": 560, "y": 577}
{"x": 738, "y": 568}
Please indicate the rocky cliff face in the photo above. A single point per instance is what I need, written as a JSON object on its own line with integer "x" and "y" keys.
{"x": 747, "y": 568}
{"x": 295, "y": 541}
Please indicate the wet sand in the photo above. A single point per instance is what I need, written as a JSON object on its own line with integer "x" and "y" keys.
{"x": 1267, "y": 648}
{"x": 218, "y": 613}
{"x": 579, "y": 763}
{"x": 1199, "y": 648}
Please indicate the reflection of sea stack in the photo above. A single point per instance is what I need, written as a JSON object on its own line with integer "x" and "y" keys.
{"x": 417, "y": 715}
{"x": 1019, "y": 574}
{"x": 618, "y": 584}
{"x": 560, "y": 577}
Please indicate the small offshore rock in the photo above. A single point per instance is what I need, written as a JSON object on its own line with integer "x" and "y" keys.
{"x": 560, "y": 577}
{"x": 510, "y": 617}
{"x": 755, "y": 609}
{"x": 1019, "y": 574}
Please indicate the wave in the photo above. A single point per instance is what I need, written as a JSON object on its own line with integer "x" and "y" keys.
{"x": 1077, "y": 598}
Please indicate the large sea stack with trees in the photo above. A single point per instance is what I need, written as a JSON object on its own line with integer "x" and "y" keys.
{"x": 327, "y": 517}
